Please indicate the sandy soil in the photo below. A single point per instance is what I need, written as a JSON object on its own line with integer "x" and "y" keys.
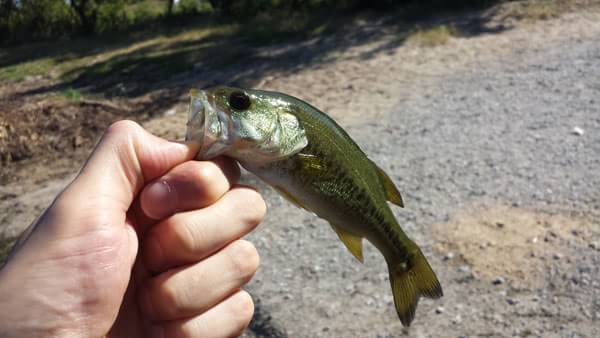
{"x": 509, "y": 268}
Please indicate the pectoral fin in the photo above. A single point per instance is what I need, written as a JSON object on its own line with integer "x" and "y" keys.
{"x": 312, "y": 164}
{"x": 391, "y": 192}
{"x": 352, "y": 242}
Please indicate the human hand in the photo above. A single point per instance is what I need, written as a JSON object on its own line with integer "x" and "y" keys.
{"x": 143, "y": 243}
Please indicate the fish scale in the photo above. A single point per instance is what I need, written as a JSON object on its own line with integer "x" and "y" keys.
{"x": 314, "y": 163}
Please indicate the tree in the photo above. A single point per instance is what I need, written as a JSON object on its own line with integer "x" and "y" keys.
{"x": 170, "y": 4}
{"x": 225, "y": 7}
{"x": 7, "y": 7}
{"x": 87, "y": 10}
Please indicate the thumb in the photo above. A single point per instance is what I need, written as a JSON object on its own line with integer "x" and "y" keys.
{"x": 125, "y": 159}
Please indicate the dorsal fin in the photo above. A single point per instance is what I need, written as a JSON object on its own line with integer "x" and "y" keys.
{"x": 391, "y": 192}
{"x": 352, "y": 242}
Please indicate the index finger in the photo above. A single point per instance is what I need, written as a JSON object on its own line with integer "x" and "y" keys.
{"x": 190, "y": 185}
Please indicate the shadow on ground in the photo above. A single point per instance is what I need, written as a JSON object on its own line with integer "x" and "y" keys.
{"x": 240, "y": 54}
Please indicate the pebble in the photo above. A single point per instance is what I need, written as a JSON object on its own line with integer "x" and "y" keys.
{"x": 578, "y": 131}
{"x": 557, "y": 256}
{"x": 439, "y": 310}
{"x": 498, "y": 280}
{"x": 448, "y": 256}
{"x": 464, "y": 268}
{"x": 170, "y": 112}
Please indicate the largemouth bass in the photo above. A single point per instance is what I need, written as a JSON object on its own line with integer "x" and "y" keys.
{"x": 311, "y": 160}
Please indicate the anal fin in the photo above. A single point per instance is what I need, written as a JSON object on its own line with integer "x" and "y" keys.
{"x": 352, "y": 242}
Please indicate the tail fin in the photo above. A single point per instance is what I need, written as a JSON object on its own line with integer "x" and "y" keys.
{"x": 410, "y": 280}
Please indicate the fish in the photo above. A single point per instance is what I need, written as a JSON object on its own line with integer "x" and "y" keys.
{"x": 311, "y": 161}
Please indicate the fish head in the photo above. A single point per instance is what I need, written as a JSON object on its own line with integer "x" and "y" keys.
{"x": 249, "y": 125}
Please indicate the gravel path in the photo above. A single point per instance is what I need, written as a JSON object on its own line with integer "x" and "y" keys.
{"x": 489, "y": 141}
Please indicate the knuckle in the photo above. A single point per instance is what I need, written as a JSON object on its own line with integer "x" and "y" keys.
{"x": 242, "y": 310}
{"x": 181, "y": 235}
{"x": 123, "y": 126}
{"x": 244, "y": 258}
{"x": 255, "y": 207}
{"x": 166, "y": 299}
{"x": 206, "y": 171}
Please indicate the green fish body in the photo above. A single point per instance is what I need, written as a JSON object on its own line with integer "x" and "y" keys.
{"x": 313, "y": 162}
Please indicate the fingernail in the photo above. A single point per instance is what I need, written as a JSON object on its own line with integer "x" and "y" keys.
{"x": 159, "y": 200}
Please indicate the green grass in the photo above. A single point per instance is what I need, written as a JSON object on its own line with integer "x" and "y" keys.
{"x": 148, "y": 56}
{"x": 71, "y": 94}
{"x": 154, "y": 53}
{"x": 20, "y": 71}
{"x": 432, "y": 37}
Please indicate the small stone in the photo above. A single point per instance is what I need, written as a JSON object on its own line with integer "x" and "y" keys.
{"x": 500, "y": 225}
{"x": 498, "y": 318}
{"x": 77, "y": 141}
{"x": 578, "y": 131}
{"x": 557, "y": 256}
{"x": 448, "y": 256}
{"x": 170, "y": 112}
{"x": 594, "y": 245}
{"x": 511, "y": 301}
{"x": 464, "y": 268}
{"x": 498, "y": 280}
{"x": 457, "y": 319}
{"x": 439, "y": 310}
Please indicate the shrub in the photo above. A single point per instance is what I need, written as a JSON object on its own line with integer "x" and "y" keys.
{"x": 111, "y": 16}
{"x": 38, "y": 19}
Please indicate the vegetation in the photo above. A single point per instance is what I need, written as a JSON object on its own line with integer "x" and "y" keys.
{"x": 26, "y": 20}
{"x": 432, "y": 37}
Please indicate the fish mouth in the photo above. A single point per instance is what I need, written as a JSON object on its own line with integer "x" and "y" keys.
{"x": 207, "y": 125}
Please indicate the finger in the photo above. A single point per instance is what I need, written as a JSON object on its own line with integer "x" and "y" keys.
{"x": 192, "y": 290}
{"x": 126, "y": 157}
{"x": 227, "y": 319}
{"x": 188, "y": 186}
{"x": 188, "y": 237}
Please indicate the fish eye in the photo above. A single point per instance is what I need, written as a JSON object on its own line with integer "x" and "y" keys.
{"x": 239, "y": 100}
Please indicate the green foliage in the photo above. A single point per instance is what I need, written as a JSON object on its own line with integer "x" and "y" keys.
{"x": 37, "y": 19}
{"x": 26, "y": 20}
{"x": 111, "y": 16}
{"x": 188, "y": 7}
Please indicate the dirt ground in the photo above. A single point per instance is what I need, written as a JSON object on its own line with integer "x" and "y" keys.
{"x": 509, "y": 267}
